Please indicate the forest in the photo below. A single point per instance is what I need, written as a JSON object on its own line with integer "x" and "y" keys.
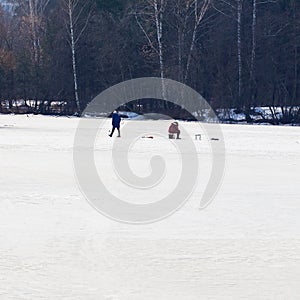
{"x": 57, "y": 55}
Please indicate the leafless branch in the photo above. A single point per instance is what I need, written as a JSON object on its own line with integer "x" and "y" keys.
{"x": 145, "y": 33}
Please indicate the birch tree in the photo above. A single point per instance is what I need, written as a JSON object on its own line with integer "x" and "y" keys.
{"x": 233, "y": 9}
{"x": 7, "y": 57}
{"x": 74, "y": 10}
{"x": 255, "y": 5}
{"x": 253, "y": 48}
{"x": 200, "y": 9}
{"x": 159, "y": 9}
{"x": 188, "y": 16}
{"x": 239, "y": 47}
{"x": 34, "y": 12}
{"x": 295, "y": 50}
{"x": 180, "y": 23}
{"x": 154, "y": 12}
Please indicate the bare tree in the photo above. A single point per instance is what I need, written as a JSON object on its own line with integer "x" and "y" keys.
{"x": 239, "y": 47}
{"x": 295, "y": 50}
{"x": 235, "y": 8}
{"x": 75, "y": 27}
{"x": 199, "y": 12}
{"x": 181, "y": 18}
{"x": 154, "y": 12}
{"x": 34, "y": 12}
{"x": 159, "y": 9}
{"x": 253, "y": 49}
{"x": 188, "y": 16}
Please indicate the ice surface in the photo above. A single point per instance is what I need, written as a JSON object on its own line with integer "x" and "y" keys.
{"x": 54, "y": 245}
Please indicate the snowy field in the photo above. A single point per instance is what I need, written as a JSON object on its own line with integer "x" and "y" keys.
{"x": 54, "y": 245}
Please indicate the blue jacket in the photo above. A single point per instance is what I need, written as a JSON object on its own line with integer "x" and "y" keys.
{"x": 116, "y": 120}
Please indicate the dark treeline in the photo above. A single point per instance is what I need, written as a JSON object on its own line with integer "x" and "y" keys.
{"x": 236, "y": 53}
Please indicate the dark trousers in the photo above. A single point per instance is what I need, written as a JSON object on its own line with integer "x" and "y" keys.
{"x": 113, "y": 129}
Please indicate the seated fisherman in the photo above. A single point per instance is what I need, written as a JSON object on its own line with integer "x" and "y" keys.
{"x": 174, "y": 129}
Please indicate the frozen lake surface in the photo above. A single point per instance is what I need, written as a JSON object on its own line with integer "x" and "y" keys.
{"x": 54, "y": 245}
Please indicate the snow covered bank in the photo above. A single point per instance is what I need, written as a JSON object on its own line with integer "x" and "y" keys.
{"x": 275, "y": 115}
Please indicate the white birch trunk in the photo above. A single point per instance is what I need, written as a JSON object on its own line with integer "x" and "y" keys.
{"x": 73, "y": 49}
{"x": 295, "y": 94}
{"x": 239, "y": 47}
{"x": 158, "y": 13}
{"x": 295, "y": 74}
{"x": 182, "y": 18}
{"x": 35, "y": 12}
{"x": 253, "y": 52}
{"x": 35, "y": 44}
{"x": 198, "y": 18}
{"x": 180, "y": 42}
{"x": 75, "y": 31}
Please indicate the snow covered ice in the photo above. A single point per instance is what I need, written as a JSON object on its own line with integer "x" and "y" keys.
{"x": 54, "y": 245}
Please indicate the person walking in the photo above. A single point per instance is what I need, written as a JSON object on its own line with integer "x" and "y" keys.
{"x": 116, "y": 120}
